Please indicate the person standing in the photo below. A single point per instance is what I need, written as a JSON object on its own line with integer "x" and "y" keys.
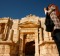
{"x": 54, "y": 14}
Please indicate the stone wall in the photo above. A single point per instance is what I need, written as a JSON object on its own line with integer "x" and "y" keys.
{"x": 4, "y": 50}
{"x": 12, "y": 45}
{"x": 47, "y": 45}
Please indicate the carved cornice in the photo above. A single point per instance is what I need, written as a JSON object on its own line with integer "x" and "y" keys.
{"x": 4, "y": 20}
{"x": 28, "y": 25}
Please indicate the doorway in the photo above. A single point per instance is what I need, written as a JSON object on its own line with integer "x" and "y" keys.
{"x": 29, "y": 46}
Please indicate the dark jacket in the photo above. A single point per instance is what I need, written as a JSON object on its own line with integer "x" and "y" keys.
{"x": 49, "y": 23}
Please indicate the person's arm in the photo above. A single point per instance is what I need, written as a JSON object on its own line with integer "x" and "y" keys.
{"x": 48, "y": 11}
{"x": 45, "y": 10}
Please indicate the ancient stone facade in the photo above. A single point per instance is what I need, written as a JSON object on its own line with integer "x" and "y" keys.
{"x": 26, "y": 37}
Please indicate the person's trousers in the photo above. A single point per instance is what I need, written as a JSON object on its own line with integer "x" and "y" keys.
{"x": 57, "y": 40}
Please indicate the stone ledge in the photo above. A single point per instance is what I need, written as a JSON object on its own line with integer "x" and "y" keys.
{"x": 46, "y": 42}
{"x": 7, "y": 43}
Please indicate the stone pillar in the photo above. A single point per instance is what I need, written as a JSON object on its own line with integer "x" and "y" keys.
{"x": 0, "y": 33}
{"x": 0, "y": 28}
{"x": 15, "y": 36}
{"x": 1, "y": 37}
{"x": 46, "y": 37}
{"x": 5, "y": 31}
{"x": 10, "y": 35}
{"x": 40, "y": 35}
{"x": 5, "y": 28}
{"x": 50, "y": 38}
{"x": 36, "y": 43}
{"x": 21, "y": 45}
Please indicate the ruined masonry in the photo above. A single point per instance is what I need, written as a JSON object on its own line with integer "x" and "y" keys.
{"x": 26, "y": 37}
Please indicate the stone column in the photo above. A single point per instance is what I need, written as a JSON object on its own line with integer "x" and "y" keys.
{"x": 10, "y": 35}
{"x": 0, "y": 28}
{"x": 40, "y": 35}
{"x": 21, "y": 45}
{"x": 36, "y": 43}
{"x": 50, "y": 38}
{"x": 15, "y": 36}
{"x": 46, "y": 37}
{"x": 45, "y": 33}
{"x": 0, "y": 33}
{"x": 5, "y": 31}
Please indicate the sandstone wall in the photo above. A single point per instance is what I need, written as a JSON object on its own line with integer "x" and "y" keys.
{"x": 12, "y": 45}
{"x": 47, "y": 45}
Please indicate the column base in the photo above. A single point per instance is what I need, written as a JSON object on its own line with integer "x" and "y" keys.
{"x": 36, "y": 54}
{"x": 23, "y": 54}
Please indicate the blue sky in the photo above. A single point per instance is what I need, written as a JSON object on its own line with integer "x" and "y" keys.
{"x": 21, "y": 8}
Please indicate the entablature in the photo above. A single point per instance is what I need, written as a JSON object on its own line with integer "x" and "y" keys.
{"x": 4, "y": 20}
{"x": 28, "y": 25}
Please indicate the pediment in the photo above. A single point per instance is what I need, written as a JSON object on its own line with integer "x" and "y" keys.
{"x": 28, "y": 24}
{"x": 30, "y": 21}
{"x": 30, "y": 18}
